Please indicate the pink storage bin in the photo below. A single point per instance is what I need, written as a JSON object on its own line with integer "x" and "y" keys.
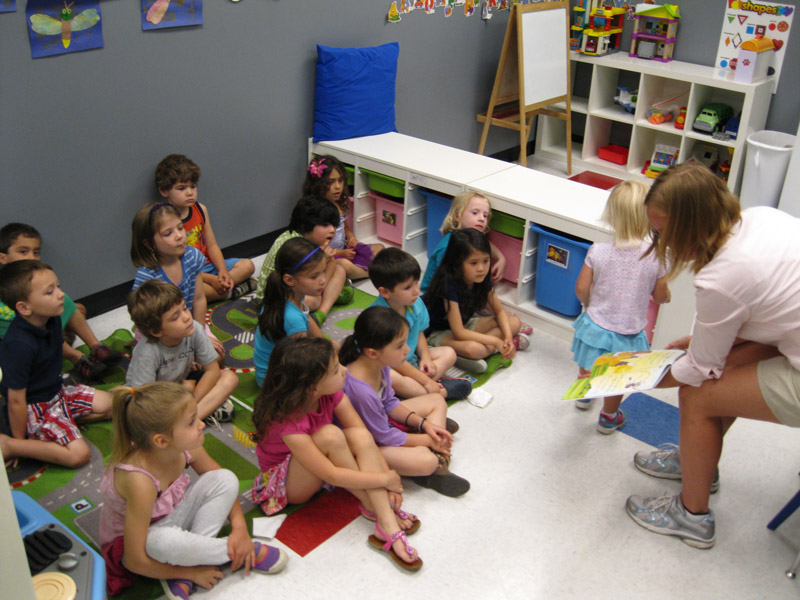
{"x": 349, "y": 218}
{"x": 388, "y": 218}
{"x": 512, "y": 249}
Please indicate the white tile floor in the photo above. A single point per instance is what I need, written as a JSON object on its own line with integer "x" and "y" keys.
{"x": 545, "y": 516}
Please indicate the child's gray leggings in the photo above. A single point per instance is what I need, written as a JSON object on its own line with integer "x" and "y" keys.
{"x": 187, "y": 536}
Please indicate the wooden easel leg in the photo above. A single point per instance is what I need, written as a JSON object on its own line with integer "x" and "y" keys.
{"x": 568, "y": 119}
{"x": 486, "y": 125}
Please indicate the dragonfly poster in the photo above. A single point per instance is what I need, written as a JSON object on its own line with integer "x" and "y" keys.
{"x": 160, "y": 14}
{"x": 60, "y": 27}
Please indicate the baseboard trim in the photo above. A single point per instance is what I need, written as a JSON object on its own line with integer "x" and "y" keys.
{"x": 117, "y": 296}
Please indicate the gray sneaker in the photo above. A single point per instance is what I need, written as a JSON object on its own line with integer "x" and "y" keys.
{"x": 667, "y": 515}
{"x": 665, "y": 463}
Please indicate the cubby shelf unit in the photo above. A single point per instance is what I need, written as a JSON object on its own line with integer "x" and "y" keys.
{"x": 597, "y": 121}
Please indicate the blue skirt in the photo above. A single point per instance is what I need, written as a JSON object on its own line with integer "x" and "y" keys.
{"x": 591, "y": 341}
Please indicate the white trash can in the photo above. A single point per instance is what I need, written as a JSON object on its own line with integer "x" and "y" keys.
{"x": 766, "y": 162}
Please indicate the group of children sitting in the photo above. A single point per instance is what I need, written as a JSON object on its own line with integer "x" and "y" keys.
{"x": 401, "y": 347}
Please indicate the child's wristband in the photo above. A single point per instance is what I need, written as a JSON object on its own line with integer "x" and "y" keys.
{"x": 421, "y": 423}
{"x": 408, "y": 415}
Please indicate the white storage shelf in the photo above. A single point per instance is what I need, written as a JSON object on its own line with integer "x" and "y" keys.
{"x": 606, "y": 123}
{"x": 534, "y": 196}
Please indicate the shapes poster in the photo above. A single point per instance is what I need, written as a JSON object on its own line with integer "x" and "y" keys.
{"x": 744, "y": 20}
{"x": 8, "y": 6}
{"x": 60, "y": 27}
{"x": 161, "y": 14}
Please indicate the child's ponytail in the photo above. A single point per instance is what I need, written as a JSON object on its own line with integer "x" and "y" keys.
{"x": 294, "y": 257}
{"x": 375, "y": 328}
{"x": 139, "y": 413}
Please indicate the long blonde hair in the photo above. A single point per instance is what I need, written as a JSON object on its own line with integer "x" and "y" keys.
{"x": 700, "y": 213}
{"x": 140, "y": 413}
{"x": 457, "y": 207}
{"x": 625, "y": 213}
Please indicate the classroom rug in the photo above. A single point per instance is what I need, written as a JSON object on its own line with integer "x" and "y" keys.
{"x": 650, "y": 420}
{"x": 73, "y": 497}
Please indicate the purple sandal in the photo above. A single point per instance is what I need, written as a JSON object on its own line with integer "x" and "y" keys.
{"x": 415, "y": 522}
{"x": 174, "y": 591}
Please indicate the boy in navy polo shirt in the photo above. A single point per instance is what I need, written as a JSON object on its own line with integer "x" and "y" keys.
{"x": 41, "y": 413}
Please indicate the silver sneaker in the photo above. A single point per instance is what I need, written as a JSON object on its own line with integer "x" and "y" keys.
{"x": 667, "y": 515}
{"x": 665, "y": 463}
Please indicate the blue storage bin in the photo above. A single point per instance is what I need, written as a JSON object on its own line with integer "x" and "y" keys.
{"x": 558, "y": 264}
{"x": 438, "y": 207}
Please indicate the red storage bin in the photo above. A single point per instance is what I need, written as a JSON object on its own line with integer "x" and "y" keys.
{"x": 614, "y": 153}
{"x": 512, "y": 249}
{"x": 388, "y": 218}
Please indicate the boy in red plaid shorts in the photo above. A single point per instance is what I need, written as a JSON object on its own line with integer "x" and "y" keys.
{"x": 38, "y": 414}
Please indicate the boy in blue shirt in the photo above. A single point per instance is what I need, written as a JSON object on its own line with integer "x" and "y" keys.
{"x": 40, "y": 413}
{"x": 395, "y": 274}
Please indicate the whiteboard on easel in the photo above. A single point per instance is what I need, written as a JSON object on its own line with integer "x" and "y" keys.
{"x": 545, "y": 59}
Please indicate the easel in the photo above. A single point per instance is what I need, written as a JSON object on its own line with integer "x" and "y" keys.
{"x": 513, "y": 104}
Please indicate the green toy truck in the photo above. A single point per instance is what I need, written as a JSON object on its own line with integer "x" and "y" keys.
{"x": 712, "y": 117}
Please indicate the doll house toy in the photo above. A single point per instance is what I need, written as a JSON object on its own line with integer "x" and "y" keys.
{"x": 754, "y": 60}
{"x": 604, "y": 31}
{"x": 654, "y": 31}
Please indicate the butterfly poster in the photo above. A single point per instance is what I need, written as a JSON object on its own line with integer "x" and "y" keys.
{"x": 60, "y": 27}
{"x": 161, "y": 14}
{"x": 8, "y": 6}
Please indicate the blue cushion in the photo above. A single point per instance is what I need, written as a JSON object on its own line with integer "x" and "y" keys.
{"x": 355, "y": 91}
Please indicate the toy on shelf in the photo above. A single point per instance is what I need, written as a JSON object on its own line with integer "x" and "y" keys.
{"x": 712, "y": 117}
{"x": 664, "y": 156}
{"x": 729, "y": 131}
{"x": 654, "y": 31}
{"x": 626, "y": 99}
{"x": 665, "y": 110}
{"x": 705, "y": 154}
{"x": 580, "y": 20}
{"x": 754, "y": 60}
{"x": 680, "y": 122}
{"x": 604, "y": 31}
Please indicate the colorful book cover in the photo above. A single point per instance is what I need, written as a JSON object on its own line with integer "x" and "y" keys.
{"x": 619, "y": 373}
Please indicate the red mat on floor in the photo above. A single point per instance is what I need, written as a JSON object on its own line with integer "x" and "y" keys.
{"x": 308, "y": 527}
{"x": 604, "y": 182}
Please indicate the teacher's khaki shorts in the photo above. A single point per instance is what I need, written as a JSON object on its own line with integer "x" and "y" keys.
{"x": 780, "y": 385}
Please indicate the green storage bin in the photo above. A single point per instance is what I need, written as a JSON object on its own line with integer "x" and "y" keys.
{"x": 351, "y": 174}
{"x": 505, "y": 223}
{"x": 391, "y": 186}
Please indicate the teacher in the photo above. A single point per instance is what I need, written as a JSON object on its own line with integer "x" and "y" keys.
{"x": 743, "y": 359}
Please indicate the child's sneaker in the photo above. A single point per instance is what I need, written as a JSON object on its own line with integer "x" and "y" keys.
{"x": 174, "y": 591}
{"x": 319, "y": 317}
{"x": 667, "y": 515}
{"x": 273, "y": 562}
{"x": 243, "y": 288}
{"x": 473, "y": 365}
{"x": 105, "y": 354}
{"x": 665, "y": 463}
{"x": 606, "y": 425}
{"x": 525, "y": 329}
{"x": 457, "y": 388}
{"x": 89, "y": 367}
{"x": 583, "y": 403}
{"x": 224, "y": 412}
{"x": 521, "y": 342}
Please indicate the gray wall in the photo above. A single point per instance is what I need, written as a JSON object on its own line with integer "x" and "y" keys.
{"x": 80, "y": 134}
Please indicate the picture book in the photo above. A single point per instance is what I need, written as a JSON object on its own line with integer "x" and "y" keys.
{"x": 619, "y": 373}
